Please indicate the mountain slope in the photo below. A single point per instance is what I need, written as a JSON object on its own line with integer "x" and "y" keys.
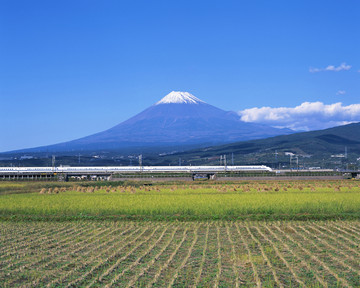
{"x": 179, "y": 118}
{"x": 320, "y": 142}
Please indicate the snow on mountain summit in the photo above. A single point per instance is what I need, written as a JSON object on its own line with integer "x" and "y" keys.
{"x": 177, "y": 97}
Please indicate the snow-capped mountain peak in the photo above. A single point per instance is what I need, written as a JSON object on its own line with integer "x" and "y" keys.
{"x": 177, "y": 97}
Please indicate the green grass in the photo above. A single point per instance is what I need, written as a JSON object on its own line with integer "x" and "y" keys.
{"x": 200, "y": 202}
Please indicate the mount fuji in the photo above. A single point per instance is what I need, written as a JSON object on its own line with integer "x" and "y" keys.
{"x": 177, "y": 119}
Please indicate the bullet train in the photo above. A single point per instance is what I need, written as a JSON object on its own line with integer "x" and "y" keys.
{"x": 130, "y": 169}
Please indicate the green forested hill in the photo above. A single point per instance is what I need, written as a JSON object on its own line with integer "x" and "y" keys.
{"x": 317, "y": 144}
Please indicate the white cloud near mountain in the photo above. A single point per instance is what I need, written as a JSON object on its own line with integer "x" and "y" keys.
{"x": 307, "y": 116}
{"x": 341, "y": 67}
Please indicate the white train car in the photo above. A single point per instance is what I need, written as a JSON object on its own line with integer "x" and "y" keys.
{"x": 131, "y": 169}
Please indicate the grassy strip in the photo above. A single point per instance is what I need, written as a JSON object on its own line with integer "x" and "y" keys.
{"x": 268, "y": 200}
{"x": 175, "y": 218}
{"x": 199, "y": 204}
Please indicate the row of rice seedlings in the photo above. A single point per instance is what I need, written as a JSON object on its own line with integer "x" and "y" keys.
{"x": 288, "y": 265}
{"x": 344, "y": 232}
{"x": 335, "y": 264}
{"x": 74, "y": 275}
{"x": 164, "y": 258}
{"x": 42, "y": 241}
{"x": 218, "y": 272}
{"x": 321, "y": 267}
{"x": 323, "y": 236}
{"x": 131, "y": 259}
{"x": 210, "y": 268}
{"x": 333, "y": 251}
{"x": 244, "y": 258}
{"x": 163, "y": 274}
{"x": 30, "y": 242}
{"x": 10, "y": 234}
{"x": 202, "y": 261}
{"x": 185, "y": 260}
{"x": 277, "y": 267}
{"x": 266, "y": 272}
{"x": 351, "y": 225}
{"x": 233, "y": 256}
{"x": 104, "y": 238}
{"x": 345, "y": 239}
{"x": 10, "y": 238}
{"x": 279, "y": 261}
{"x": 151, "y": 262}
{"x": 357, "y": 225}
{"x": 355, "y": 231}
{"x": 338, "y": 231}
{"x": 62, "y": 245}
{"x": 190, "y": 266}
{"x": 133, "y": 248}
{"x": 253, "y": 257}
{"x": 275, "y": 254}
{"x": 301, "y": 267}
{"x": 238, "y": 261}
{"x": 228, "y": 274}
{"x": 77, "y": 243}
{"x": 85, "y": 277}
{"x": 82, "y": 248}
{"x": 139, "y": 259}
{"x": 121, "y": 260}
{"x": 18, "y": 235}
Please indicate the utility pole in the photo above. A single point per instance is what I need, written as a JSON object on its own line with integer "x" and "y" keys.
{"x": 220, "y": 159}
{"x": 79, "y": 158}
{"x": 140, "y": 162}
{"x": 179, "y": 161}
{"x": 297, "y": 163}
{"x": 232, "y": 159}
{"x": 53, "y": 162}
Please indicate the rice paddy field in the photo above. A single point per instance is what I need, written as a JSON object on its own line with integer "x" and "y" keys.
{"x": 180, "y": 254}
{"x": 272, "y": 200}
{"x": 208, "y": 234}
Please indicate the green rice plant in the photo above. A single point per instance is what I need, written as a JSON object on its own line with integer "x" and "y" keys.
{"x": 257, "y": 200}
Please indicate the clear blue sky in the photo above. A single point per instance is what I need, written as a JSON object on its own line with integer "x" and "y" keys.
{"x": 72, "y": 68}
